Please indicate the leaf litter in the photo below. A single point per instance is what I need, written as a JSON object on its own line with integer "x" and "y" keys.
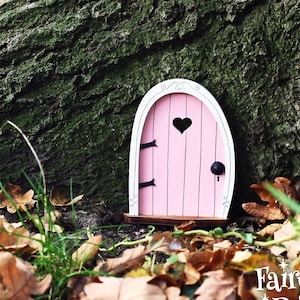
{"x": 183, "y": 263}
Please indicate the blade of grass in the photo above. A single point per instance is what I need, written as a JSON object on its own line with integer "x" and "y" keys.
{"x": 31, "y": 149}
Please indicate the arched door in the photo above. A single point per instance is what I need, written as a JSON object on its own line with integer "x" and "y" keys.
{"x": 182, "y": 155}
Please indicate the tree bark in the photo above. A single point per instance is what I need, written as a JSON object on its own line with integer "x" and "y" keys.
{"x": 72, "y": 74}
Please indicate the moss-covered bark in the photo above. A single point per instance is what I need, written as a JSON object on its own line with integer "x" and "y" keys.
{"x": 73, "y": 72}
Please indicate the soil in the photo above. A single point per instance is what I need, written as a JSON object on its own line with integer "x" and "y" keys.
{"x": 99, "y": 220}
{"x": 96, "y": 220}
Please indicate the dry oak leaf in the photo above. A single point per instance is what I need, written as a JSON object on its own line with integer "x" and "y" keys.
{"x": 48, "y": 221}
{"x": 208, "y": 260}
{"x": 269, "y": 230}
{"x": 146, "y": 288}
{"x": 291, "y": 246}
{"x": 173, "y": 270}
{"x": 280, "y": 183}
{"x": 76, "y": 285}
{"x": 14, "y": 199}
{"x": 59, "y": 196}
{"x": 130, "y": 259}
{"x": 18, "y": 280}
{"x": 18, "y": 239}
{"x": 173, "y": 293}
{"x": 164, "y": 242}
{"x": 112, "y": 288}
{"x": 186, "y": 226}
{"x": 274, "y": 210}
{"x": 87, "y": 250}
{"x": 191, "y": 275}
{"x": 263, "y": 211}
{"x": 168, "y": 285}
{"x": 220, "y": 285}
{"x": 225, "y": 244}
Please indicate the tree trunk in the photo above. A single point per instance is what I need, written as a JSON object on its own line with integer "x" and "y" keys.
{"x": 72, "y": 74}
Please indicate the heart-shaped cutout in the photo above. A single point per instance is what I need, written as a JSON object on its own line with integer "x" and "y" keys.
{"x": 182, "y": 124}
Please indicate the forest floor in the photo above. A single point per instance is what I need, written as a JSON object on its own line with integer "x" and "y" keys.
{"x": 87, "y": 252}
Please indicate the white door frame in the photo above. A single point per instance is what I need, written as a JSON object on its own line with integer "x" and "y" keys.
{"x": 179, "y": 85}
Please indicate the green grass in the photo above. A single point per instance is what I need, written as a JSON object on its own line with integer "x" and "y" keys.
{"x": 55, "y": 254}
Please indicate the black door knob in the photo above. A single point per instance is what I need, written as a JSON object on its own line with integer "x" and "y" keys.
{"x": 217, "y": 168}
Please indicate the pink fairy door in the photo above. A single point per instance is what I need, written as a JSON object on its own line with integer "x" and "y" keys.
{"x": 182, "y": 155}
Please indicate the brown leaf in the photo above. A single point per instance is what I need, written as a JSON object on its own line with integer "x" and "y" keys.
{"x": 240, "y": 256}
{"x": 246, "y": 283}
{"x": 201, "y": 260}
{"x": 60, "y": 196}
{"x": 222, "y": 245}
{"x": 282, "y": 184}
{"x": 111, "y": 288}
{"x": 76, "y": 284}
{"x": 292, "y": 246}
{"x": 17, "y": 239}
{"x": 270, "y": 229}
{"x": 130, "y": 259}
{"x": 245, "y": 261}
{"x": 163, "y": 280}
{"x": 208, "y": 260}
{"x": 186, "y": 226}
{"x": 201, "y": 241}
{"x": 17, "y": 199}
{"x": 172, "y": 270}
{"x": 262, "y": 211}
{"x": 87, "y": 250}
{"x": 192, "y": 276}
{"x": 263, "y": 194}
{"x": 170, "y": 288}
{"x": 173, "y": 293}
{"x": 48, "y": 220}
{"x": 164, "y": 242}
{"x": 18, "y": 280}
{"x": 220, "y": 285}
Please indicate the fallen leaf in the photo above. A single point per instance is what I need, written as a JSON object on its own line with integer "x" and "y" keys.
{"x": 140, "y": 272}
{"x": 173, "y": 293}
{"x": 263, "y": 211}
{"x": 247, "y": 262}
{"x": 169, "y": 286}
{"x": 112, "y": 288}
{"x": 292, "y": 246}
{"x": 192, "y": 276}
{"x": 240, "y": 256}
{"x": 203, "y": 241}
{"x": 18, "y": 280}
{"x": 76, "y": 284}
{"x": 281, "y": 183}
{"x": 247, "y": 286}
{"x": 270, "y": 229}
{"x": 219, "y": 285}
{"x": 222, "y": 245}
{"x": 274, "y": 210}
{"x": 48, "y": 221}
{"x": 186, "y": 226}
{"x": 130, "y": 259}
{"x": 207, "y": 260}
{"x": 18, "y": 239}
{"x": 14, "y": 199}
{"x": 164, "y": 242}
{"x": 59, "y": 196}
{"x": 173, "y": 270}
{"x": 87, "y": 250}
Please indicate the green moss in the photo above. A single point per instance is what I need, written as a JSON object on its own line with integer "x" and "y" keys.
{"x": 73, "y": 73}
